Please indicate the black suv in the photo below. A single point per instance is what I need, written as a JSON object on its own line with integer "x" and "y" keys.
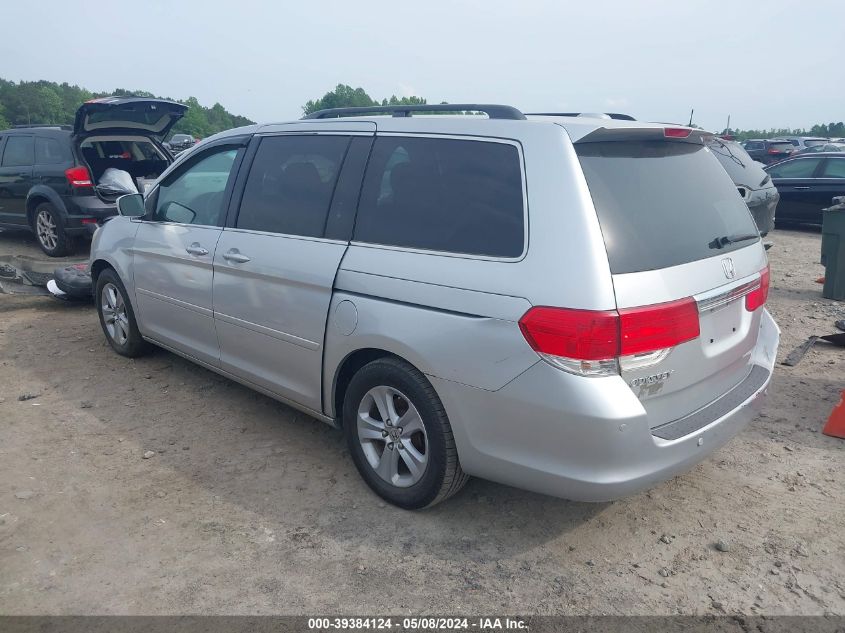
{"x": 181, "y": 142}
{"x": 62, "y": 181}
{"x": 766, "y": 151}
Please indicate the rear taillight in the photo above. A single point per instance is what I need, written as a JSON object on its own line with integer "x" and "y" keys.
{"x": 78, "y": 177}
{"x": 594, "y": 343}
{"x": 658, "y": 327}
{"x": 757, "y": 297}
{"x": 677, "y": 132}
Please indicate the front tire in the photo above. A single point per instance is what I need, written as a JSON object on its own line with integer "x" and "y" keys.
{"x": 50, "y": 231}
{"x": 399, "y": 435}
{"x": 117, "y": 317}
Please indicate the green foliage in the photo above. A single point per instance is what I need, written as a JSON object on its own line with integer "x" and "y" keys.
{"x": 344, "y": 96}
{"x": 29, "y": 102}
{"x": 832, "y": 130}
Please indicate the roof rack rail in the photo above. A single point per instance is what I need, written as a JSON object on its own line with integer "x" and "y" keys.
{"x": 491, "y": 110}
{"x": 613, "y": 115}
{"x": 54, "y": 126}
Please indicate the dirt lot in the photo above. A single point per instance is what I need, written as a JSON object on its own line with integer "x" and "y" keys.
{"x": 250, "y": 507}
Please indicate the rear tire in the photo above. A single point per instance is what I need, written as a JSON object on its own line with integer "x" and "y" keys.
{"x": 117, "y": 317}
{"x": 50, "y": 231}
{"x": 399, "y": 435}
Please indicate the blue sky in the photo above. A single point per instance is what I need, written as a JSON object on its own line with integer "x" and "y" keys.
{"x": 766, "y": 63}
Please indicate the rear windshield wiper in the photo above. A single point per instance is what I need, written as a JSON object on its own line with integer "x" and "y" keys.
{"x": 721, "y": 242}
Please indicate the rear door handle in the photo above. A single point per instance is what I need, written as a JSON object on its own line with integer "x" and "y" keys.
{"x": 196, "y": 249}
{"x": 233, "y": 255}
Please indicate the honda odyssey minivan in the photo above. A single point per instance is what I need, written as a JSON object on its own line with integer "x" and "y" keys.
{"x": 569, "y": 305}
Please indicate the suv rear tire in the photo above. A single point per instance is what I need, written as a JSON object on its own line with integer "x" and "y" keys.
{"x": 50, "y": 231}
{"x": 117, "y": 317}
{"x": 409, "y": 458}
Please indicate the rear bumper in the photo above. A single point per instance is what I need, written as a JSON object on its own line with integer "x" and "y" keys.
{"x": 588, "y": 439}
{"x": 86, "y": 213}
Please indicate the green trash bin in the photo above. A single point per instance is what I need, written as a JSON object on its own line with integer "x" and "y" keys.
{"x": 833, "y": 250}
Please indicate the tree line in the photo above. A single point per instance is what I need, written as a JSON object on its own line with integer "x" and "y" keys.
{"x": 344, "y": 96}
{"x": 31, "y": 102}
{"x": 829, "y": 130}
{"x": 40, "y": 102}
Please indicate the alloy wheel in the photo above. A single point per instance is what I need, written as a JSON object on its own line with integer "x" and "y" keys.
{"x": 114, "y": 314}
{"x": 392, "y": 436}
{"x": 45, "y": 228}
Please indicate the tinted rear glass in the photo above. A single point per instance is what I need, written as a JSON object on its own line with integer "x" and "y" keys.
{"x": 740, "y": 166}
{"x": 782, "y": 146}
{"x": 443, "y": 195}
{"x": 662, "y": 204}
{"x": 812, "y": 143}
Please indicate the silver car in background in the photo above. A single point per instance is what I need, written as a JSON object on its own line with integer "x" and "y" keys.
{"x": 570, "y": 305}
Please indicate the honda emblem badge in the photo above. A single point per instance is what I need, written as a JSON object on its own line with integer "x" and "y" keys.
{"x": 728, "y": 267}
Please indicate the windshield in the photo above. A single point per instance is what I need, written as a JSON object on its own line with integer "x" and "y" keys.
{"x": 662, "y": 204}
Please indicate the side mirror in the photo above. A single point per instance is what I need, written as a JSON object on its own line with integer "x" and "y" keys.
{"x": 131, "y": 205}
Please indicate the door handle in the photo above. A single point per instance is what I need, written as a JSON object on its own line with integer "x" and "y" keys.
{"x": 196, "y": 249}
{"x": 233, "y": 255}
{"x": 800, "y": 188}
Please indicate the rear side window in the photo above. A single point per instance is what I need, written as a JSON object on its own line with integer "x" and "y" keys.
{"x": 19, "y": 151}
{"x": 49, "y": 151}
{"x": 800, "y": 168}
{"x": 290, "y": 184}
{"x": 834, "y": 168}
{"x": 444, "y": 195}
{"x": 754, "y": 145}
{"x": 661, "y": 204}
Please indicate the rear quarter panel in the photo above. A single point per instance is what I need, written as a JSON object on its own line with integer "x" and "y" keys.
{"x": 455, "y": 317}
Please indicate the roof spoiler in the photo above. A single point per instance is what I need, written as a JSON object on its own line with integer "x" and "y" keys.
{"x": 673, "y": 133}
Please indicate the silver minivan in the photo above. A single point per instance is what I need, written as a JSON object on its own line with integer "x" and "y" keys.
{"x": 565, "y": 304}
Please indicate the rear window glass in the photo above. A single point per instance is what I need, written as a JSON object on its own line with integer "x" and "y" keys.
{"x": 736, "y": 161}
{"x": 813, "y": 143}
{"x": 662, "y": 204}
{"x": 443, "y": 195}
{"x": 782, "y": 146}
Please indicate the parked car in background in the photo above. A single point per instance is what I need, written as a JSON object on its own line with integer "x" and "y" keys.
{"x": 807, "y": 184}
{"x": 753, "y": 184}
{"x": 802, "y": 142}
{"x": 768, "y": 151}
{"x": 50, "y": 176}
{"x": 390, "y": 275}
{"x": 826, "y": 147}
{"x": 181, "y": 142}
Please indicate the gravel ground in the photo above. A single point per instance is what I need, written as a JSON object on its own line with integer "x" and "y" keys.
{"x": 156, "y": 487}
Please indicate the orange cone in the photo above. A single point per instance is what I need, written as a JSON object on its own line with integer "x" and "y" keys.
{"x": 835, "y": 426}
